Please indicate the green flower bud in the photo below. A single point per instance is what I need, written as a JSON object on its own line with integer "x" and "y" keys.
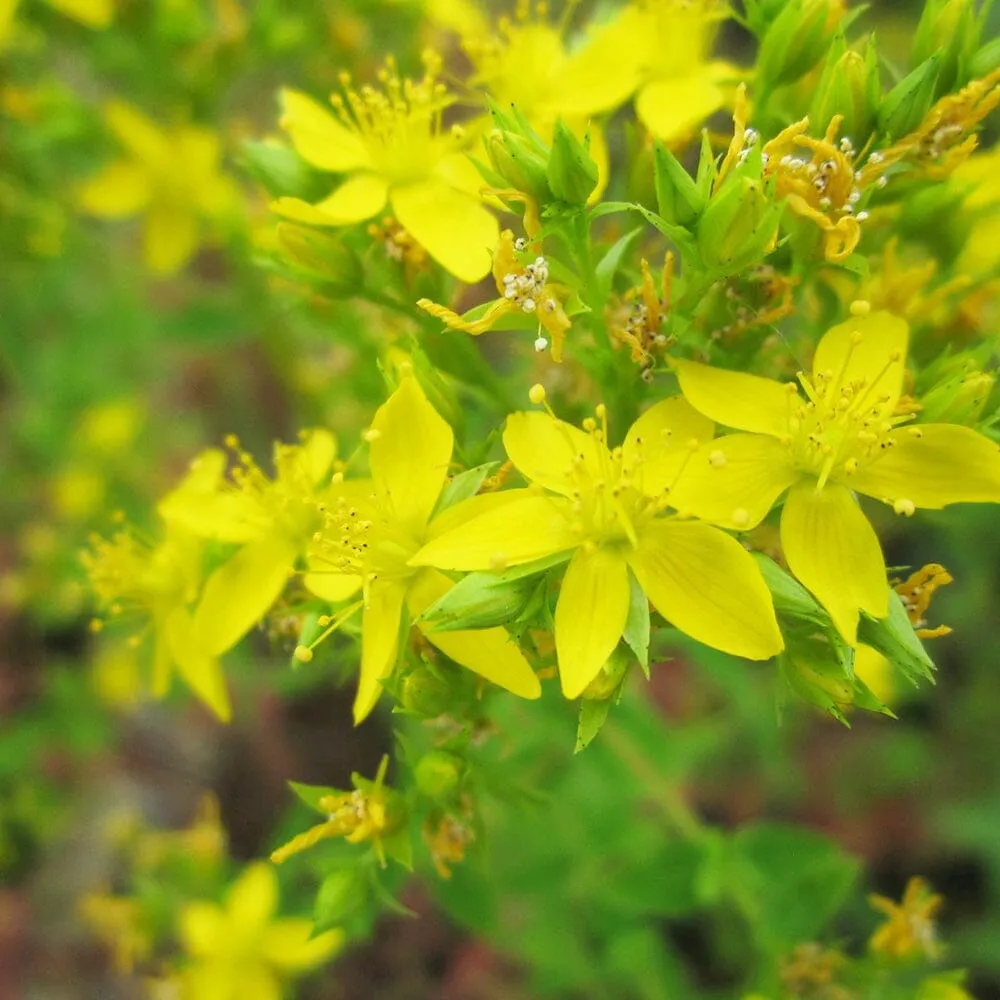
{"x": 606, "y": 683}
{"x": 323, "y": 256}
{"x": 519, "y": 164}
{"x": 819, "y": 670}
{"x": 679, "y": 200}
{"x": 572, "y": 174}
{"x": 283, "y": 172}
{"x": 850, "y": 87}
{"x": 959, "y": 399}
{"x": 739, "y": 226}
{"x": 951, "y": 29}
{"x": 796, "y": 40}
{"x": 342, "y": 895}
{"x": 427, "y": 692}
{"x": 438, "y": 774}
{"x": 906, "y": 104}
{"x": 480, "y": 600}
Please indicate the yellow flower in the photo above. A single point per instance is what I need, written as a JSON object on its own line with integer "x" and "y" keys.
{"x": 666, "y": 44}
{"x": 392, "y": 146}
{"x": 156, "y": 585}
{"x": 523, "y": 287}
{"x": 844, "y": 436}
{"x": 118, "y": 922}
{"x": 374, "y": 529}
{"x": 242, "y": 950}
{"x": 171, "y": 175}
{"x": 909, "y": 931}
{"x": 91, "y": 13}
{"x": 602, "y": 505}
{"x": 270, "y": 520}
{"x": 371, "y": 812}
{"x": 525, "y": 62}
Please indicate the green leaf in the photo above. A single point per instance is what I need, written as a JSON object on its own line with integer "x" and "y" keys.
{"x": 607, "y": 266}
{"x": 463, "y": 486}
{"x": 311, "y": 794}
{"x": 399, "y": 847}
{"x": 593, "y": 715}
{"x": 636, "y": 633}
{"x": 788, "y": 882}
{"x": 341, "y": 895}
{"x": 895, "y": 639}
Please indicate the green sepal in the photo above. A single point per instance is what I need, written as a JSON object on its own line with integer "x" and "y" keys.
{"x": 311, "y": 794}
{"x": 905, "y": 105}
{"x": 894, "y": 637}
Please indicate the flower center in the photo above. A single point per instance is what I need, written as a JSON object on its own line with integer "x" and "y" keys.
{"x": 843, "y": 423}
{"x": 400, "y": 122}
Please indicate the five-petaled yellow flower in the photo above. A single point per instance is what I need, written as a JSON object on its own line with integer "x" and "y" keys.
{"x": 392, "y": 147}
{"x": 171, "y": 174}
{"x": 603, "y": 505}
{"x": 242, "y": 950}
{"x": 843, "y": 436}
{"x": 372, "y": 531}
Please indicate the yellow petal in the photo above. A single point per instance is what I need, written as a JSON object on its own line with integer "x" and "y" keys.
{"x": 746, "y": 402}
{"x": 945, "y": 464}
{"x": 379, "y": 643}
{"x": 252, "y": 981}
{"x": 201, "y": 671}
{"x": 331, "y": 587}
{"x": 830, "y": 546}
{"x": 92, "y": 13}
{"x": 551, "y": 452}
{"x": 528, "y": 528}
{"x": 410, "y": 454}
{"x": 318, "y": 137}
{"x": 489, "y": 652}
{"x": 707, "y": 585}
{"x": 658, "y": 443}
{"x": 202, "y": 928}
{"x": 734, "y": 480}
{"x": 459, "y": 172}
{"x": 318, "y": 450}
{"x": 673, "y": 107}
{"x": 861, "y": 349}
{"x": 452, "y": 226}
{"x": 170, "y": 238}
{"x": 590, "y": 615}
{"x": 360, "y": 197}
{"x": 287, "y": 945}
{"x": 252, "y": 901}
{"x": 137, "y": 133}
{"x": 473, "y": 507}
{"x": 240, "y": 592}
{"x": 120, "y": 189}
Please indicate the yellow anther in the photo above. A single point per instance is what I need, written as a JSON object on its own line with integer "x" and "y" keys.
{"x": 231, "y": 441}
{"x": 860, "y": 307}
{"x": 323, "y": 621}
{"x": 717, "y": 459}
{"x": 537, "y": 394}
{"x": 601, "y": 411}
{"x": 741, "y": 517}
{"x": 96, "y": 625}
{"x": 589, "y": 425}
{"x": 303, "y": 654}
{"x": 850, "y": 466}
{"x": 372, "y": 434}
{"x": 856, "y": 337}
{"x": 498, "y": 562}
{"x": 904, "y": 507}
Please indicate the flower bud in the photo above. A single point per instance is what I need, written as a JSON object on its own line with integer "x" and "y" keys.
{"x": 438, "y": 774}
{"x": 323, "y": 256}
{"x": 679, "y": 200}
{"x": 572, "y": 174}
{"x": 951, "y": 29}
{"x": 958, "y": 399}
{"x": 796, "y": 40}
{"x": 427, "y": 692}
{"x": 906, "y": 104}
{"x": 739, "y": 226}
{"x": 850, "y": 87}
{"x": 519, "y": 163}
{"x": 607, "y": 682}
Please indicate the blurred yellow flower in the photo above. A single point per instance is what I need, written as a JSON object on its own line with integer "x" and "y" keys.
{"x": 271, "y": 520}
{"x": 844, "y": 436}
{"x": 603, "y": 506}
{"x": 393, "y": 147}
{"x": 909, "y": 930}
{"x": 371, "y": 532}
{"x": 171, "y": 175}
{"x": 242, "y": 949}
{"x": 92, "y": 13}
